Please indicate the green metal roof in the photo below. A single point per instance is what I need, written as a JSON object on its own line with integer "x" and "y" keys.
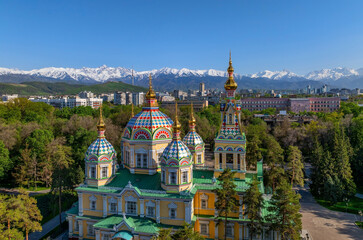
{"x": 150, "y": 185}
{"x": 142, "y": 181}
{"x": 139, "y": 224}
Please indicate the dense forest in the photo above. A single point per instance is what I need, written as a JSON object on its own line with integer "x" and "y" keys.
{"x": 44, "y": 147}
{"x": 34, "y": 136}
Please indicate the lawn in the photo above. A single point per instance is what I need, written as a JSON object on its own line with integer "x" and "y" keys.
{"x": 354, "y": 205}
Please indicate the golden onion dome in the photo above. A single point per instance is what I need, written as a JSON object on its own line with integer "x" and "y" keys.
{"x": 176, "y": 125}
{"x": 150, "y": 94}
{"x": 230, "y": 83}
{"x": 192, "y": 120}
{"x": 101, "y": 124}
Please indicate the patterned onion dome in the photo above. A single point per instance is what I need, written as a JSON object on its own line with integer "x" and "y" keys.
{"x": 100, "y": 149}
{"x": 176, "y": 150}
{"x": 176, "y": 153}
{"x": 193, "y": 139}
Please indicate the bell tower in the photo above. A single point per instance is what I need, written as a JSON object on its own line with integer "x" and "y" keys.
{"x": 230, "y": 143}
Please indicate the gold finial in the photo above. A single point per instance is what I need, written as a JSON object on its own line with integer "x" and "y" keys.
{"x": 150, "y": 94}
{"x": 192, "y": 119}
{"x": 230, "y": 83}
{"x": 177, "y": 125}
{"x": 132, "y": 110}
{"x": 101, "y": 123}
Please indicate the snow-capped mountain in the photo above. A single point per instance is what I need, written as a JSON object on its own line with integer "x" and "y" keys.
{"x": 180, "y": 78}
{"x": 332, "y": 74}
{"x": 104, "y": 73}
{"x": 274, "y": 75}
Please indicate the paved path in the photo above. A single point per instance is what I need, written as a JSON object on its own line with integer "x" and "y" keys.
{"x": 16, "y": 191}
{"x": 47, "y": 227}
{"x": 323, "y": 223}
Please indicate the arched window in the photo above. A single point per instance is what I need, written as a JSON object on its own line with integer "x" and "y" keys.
{"x": 230, "y": 118}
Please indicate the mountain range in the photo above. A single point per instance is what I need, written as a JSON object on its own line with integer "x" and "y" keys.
{"x": 171, "y": 78}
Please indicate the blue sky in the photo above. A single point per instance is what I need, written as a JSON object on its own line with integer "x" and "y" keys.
{"x": 298, "y": 35}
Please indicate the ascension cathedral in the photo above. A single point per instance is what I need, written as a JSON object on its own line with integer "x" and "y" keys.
{"x": 161, "y": 181}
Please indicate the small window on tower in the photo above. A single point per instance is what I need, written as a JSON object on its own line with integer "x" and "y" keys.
{"x": 230, "y": 118}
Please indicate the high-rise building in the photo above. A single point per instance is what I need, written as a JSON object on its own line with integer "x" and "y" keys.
{"x": 202, "y": 88}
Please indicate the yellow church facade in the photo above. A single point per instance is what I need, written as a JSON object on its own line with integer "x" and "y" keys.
{"x": 161, "y": 181}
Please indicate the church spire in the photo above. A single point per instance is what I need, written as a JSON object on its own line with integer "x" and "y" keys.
{"x": 132, "y": 110}
{"x": 192, "y": 118}
{"x": 101, "y": 124}
{"x": 150, "y": 95}
{"x": 176, "y": 125}
{"x": 230, "y": 83}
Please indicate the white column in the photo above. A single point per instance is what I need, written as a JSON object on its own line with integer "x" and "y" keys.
{"x": 247, "y": 230}
{"x": 240, "y": 209}
{"x": 215, "y": 230}
{"x": 240, "y": 231}
{"x": 80, "y": 204}
{"x": 80, "y": 226}
{"x": 70, "y": 225}
{"x": 188, "y": 215}
{"x": 141, "y": 207}
{"x": 104, "y": 198}
{"x": 158, "y": 211}
{"x": 150, "y": 162}
{"x": 97, "y": 233}
{"x": 119, "y": 205}
{"x": 132, "y": 157}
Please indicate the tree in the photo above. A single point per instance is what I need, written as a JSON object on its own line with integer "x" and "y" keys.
{"x": 31, "y": 216}
{"x": 226, "y": 197}
{"x": 59, "y": 155}
{"x": 274, "y": 154}
{"x": 254, "y": 202}
{"x": 295, "y": 166}
{"x": 284, "y": 212}
{"x": 186, "y": 233}
{"x": 274, "y": 176}
{"x": 10, "y": 215}
{"x": 164, "y": 234}
{"x": 27, "y": 171}
{"x": 253, "y": 151}
{"x": 5, "y": 162}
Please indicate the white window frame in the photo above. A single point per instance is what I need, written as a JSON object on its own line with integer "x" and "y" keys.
{"x": 106, "y": 236}
{"x": 104, "y": 173}
{"x": 199, "y": 158}
{"x": 173, "y": 209}
{"x": 91, "y": 169}
{"x": 131, "y": 200}
{"x": 90, "y": 230}
{"x": 206, "y": 224}
{"x": 184, "y": 174}
{"x": 232, "y": 230}
{"x": 76, "y": 226}
{"x": 112, "y": 202}
{"x": 92, "y": 200}
{"x": 173, "y": 172}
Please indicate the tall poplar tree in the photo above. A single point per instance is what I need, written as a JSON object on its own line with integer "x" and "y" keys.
{"x": 226, "y": 197}
{"x": 295, "y": 166}
{"x": 284, "y": 212}
{"x": 254, "y": 202}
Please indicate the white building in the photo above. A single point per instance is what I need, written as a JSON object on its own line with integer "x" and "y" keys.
{"x": 70, "y": 102}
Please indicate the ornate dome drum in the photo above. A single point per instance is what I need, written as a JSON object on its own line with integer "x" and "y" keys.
{"x": 145, "y": 137}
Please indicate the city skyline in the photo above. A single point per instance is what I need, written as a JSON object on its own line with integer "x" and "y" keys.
{"x": 298, "y": 36}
